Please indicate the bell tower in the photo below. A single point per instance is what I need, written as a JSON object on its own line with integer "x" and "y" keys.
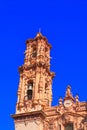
{"x": 35, "y": 85}
{"x": 33, "y": 108}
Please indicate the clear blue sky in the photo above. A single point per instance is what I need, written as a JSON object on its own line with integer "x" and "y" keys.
{"x": 64, "y": 23}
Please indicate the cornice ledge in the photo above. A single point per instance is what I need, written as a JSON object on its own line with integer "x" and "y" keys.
{"x": 73, "y": 114}
{"x": 29, "y": 114}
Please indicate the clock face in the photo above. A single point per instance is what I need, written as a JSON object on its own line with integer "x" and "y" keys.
{"x": 67, "y": 103}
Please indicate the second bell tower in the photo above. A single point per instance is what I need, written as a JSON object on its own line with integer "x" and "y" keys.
{"x": 35, "y": 85}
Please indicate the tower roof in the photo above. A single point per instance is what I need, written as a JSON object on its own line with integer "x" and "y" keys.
{"x": 39, "y": 34}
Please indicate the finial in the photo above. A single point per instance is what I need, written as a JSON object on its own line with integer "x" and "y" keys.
{"x": 39, "y": 33}
{"x": 77, "y": 98}
{"x": 69, "y": 87}
{"x": 39, "y": 30}
{"x": 60, "y": 101}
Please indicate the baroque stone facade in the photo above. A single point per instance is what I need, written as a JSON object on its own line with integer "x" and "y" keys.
{"x": 33, "y": 108}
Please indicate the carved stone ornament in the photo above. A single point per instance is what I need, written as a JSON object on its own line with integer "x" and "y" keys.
{"x": 78, "y": 108}
{"x": 33, "y": 108}
{"x": 68, "y": 93}
{"x": 25, "y": 123}
{"x": 60, "y": 101}
{"x": 46, "y": 125}
{"x": 80, "y": 126}
{"x": 37, "y": 122}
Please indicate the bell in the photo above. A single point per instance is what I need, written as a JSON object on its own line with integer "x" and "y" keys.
{"x": 30, "y": 87}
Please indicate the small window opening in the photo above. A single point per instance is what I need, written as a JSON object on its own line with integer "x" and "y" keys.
{"x": 34, "y": 54}
{"x": 29, "y": 91}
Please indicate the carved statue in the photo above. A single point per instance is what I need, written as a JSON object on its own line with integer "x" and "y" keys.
{"x": 68, "y": 91}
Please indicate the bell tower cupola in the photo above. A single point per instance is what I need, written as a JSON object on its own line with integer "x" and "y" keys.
{"x": 35, "y": 85}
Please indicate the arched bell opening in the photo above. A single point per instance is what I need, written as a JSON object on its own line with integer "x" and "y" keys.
{"x": 34, "y": 52}
{"x": 30, "y": 90}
